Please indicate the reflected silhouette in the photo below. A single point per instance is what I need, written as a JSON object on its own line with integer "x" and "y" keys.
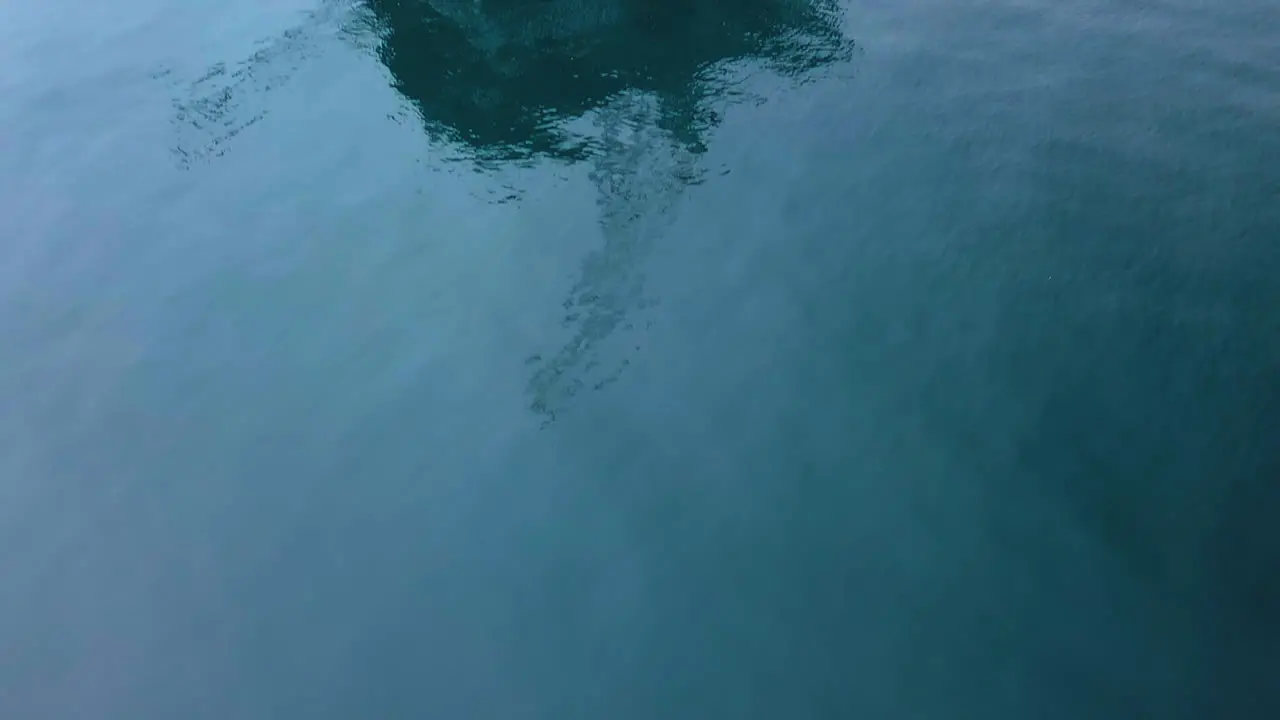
{"x": 503, "y": 81}
{"x": 501, "y": 76}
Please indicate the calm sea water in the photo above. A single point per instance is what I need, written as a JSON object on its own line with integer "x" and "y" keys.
{"x": 617, "y": 359}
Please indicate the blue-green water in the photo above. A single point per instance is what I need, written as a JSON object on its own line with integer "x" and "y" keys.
{"x": 616, "y": 359}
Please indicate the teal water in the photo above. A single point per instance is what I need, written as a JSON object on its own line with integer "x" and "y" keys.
{"x": 618, "y": 359}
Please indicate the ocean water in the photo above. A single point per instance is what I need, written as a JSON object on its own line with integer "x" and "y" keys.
{"x": 616, "y": 359}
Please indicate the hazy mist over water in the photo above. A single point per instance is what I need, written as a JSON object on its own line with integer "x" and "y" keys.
{"x": 572, "y": 359}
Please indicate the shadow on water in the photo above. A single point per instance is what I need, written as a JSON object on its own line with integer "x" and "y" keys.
{"x": 628, "y": 87}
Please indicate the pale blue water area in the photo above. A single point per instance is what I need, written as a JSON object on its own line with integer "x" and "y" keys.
{"x": 611, "y": 359}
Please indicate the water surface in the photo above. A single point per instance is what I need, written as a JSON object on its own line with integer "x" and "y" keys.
{"x": 613, "y": 359}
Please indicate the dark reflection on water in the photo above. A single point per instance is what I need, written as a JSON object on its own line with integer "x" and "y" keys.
{"x": 629, "y": 87}
{"x": 502, "y": 77}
